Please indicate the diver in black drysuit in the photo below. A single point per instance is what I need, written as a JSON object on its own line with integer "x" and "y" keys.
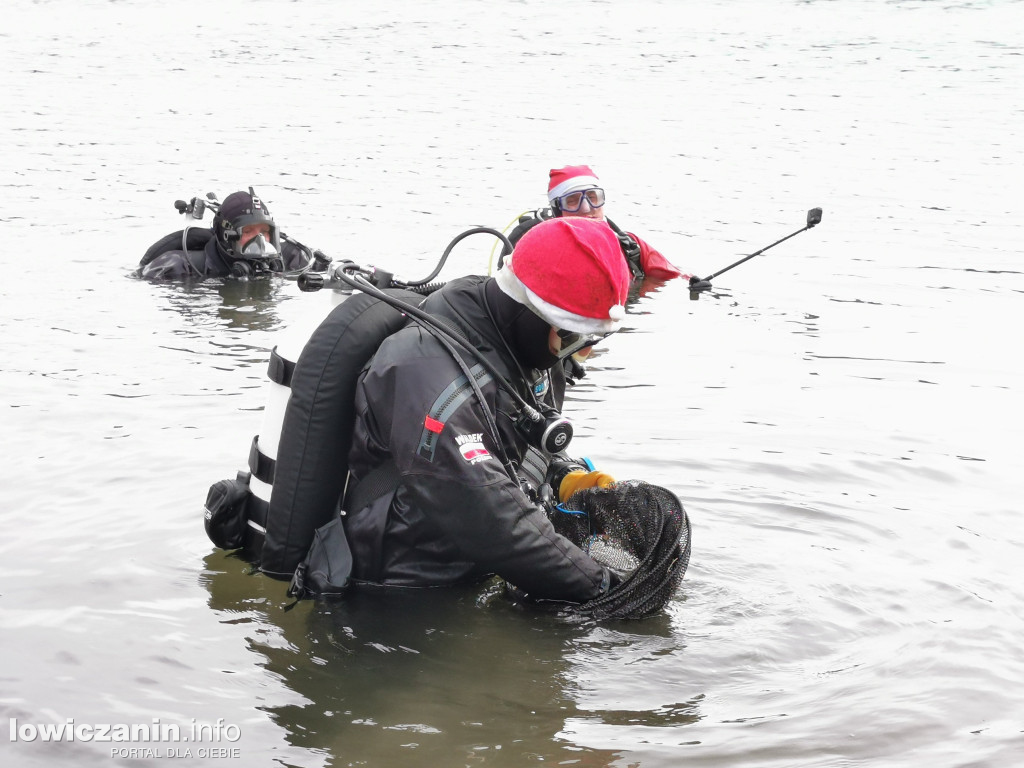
{"x": 456, "y": 515}
{"x": 464, "y": 501}
{"x": 225, "y": 249}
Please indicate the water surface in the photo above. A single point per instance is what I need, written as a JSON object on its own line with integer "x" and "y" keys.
{"x": 841, "y": 417}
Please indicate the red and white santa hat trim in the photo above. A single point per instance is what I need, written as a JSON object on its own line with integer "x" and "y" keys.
{"x": 569, "y": 271}
{"x": 562, "y": 181}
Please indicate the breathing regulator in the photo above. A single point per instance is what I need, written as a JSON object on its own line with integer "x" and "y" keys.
{"x": 547, "y": 429}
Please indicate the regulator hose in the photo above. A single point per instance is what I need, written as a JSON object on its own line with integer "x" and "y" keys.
{"x": 505, "y": 250}
{"x": 309, "y": 282}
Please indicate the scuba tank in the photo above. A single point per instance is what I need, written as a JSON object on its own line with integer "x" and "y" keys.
{"x": 314, "y": 431}
{"x": 297, "y": 465}
{"x": 263, "y": 452}
{"x": 237, "y": 510}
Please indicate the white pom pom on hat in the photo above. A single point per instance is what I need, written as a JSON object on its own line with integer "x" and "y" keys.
{"x": 572, "y": 273}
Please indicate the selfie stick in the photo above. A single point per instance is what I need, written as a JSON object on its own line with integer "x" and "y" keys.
{"x": 697, "y": 286}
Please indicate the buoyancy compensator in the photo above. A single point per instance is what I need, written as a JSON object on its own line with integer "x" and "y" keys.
{"x": 191, "y": 241}
{"x": 298, "y": 461}
{"x": 308, "y": 477}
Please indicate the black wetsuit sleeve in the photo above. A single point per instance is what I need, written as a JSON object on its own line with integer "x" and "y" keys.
{"x": 501, "y": 531}
{"x": 296, "y": 255}
{"x": 455, "y": 492}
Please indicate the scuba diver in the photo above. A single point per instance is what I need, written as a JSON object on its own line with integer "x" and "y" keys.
{"x": 414, "y": 439}
{"x": 575, "y": 191}
{"x": 244, "y": 241}
{"x": 447, "y": 483}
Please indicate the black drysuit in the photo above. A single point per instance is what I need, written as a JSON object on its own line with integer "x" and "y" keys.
{"x": 457, "y": 515}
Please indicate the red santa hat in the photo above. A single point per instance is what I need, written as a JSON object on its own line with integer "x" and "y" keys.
{"x": 569, "y": 271}
{"x": 562, "y": 181}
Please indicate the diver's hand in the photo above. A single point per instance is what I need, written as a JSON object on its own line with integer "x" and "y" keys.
{"x": 579, "y": 479}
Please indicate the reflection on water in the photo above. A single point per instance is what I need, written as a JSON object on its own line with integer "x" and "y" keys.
{"x": 435, "y": 674}
{"x": 228, "y": 302}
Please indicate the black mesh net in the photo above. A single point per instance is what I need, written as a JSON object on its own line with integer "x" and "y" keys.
{"x": 641, "y": 533}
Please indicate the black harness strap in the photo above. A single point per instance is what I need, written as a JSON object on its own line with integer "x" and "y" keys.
{"x": 261, "y": 465}
{"x": 382, "y": 480}
{"x": 280, "y": 370}
{"x": 534, "y": 466}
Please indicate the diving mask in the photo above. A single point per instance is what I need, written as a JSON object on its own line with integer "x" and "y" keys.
{"x": 573, "y": 342}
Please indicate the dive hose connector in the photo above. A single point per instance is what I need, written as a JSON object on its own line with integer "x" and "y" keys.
{"x": 310, "y": 282}
{"x": 321, "y": 261}
{"x": 381, "y": 277}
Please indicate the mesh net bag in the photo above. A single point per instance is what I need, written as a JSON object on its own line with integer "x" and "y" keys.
{"x": 639, "y": 531}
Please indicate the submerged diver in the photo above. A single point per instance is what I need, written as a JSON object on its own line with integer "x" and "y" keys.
{"x": 243, "y": 242}
{"x": 461, "y": 505}
{"x": 575, "y": 191}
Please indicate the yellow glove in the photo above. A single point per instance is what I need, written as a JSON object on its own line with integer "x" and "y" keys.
{"x": 578, "y": 480}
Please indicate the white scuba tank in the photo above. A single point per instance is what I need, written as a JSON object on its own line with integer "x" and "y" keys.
{"x": 289, "y": 346}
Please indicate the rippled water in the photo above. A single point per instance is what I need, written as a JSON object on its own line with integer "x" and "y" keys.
{"x": 841, "y": 418}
